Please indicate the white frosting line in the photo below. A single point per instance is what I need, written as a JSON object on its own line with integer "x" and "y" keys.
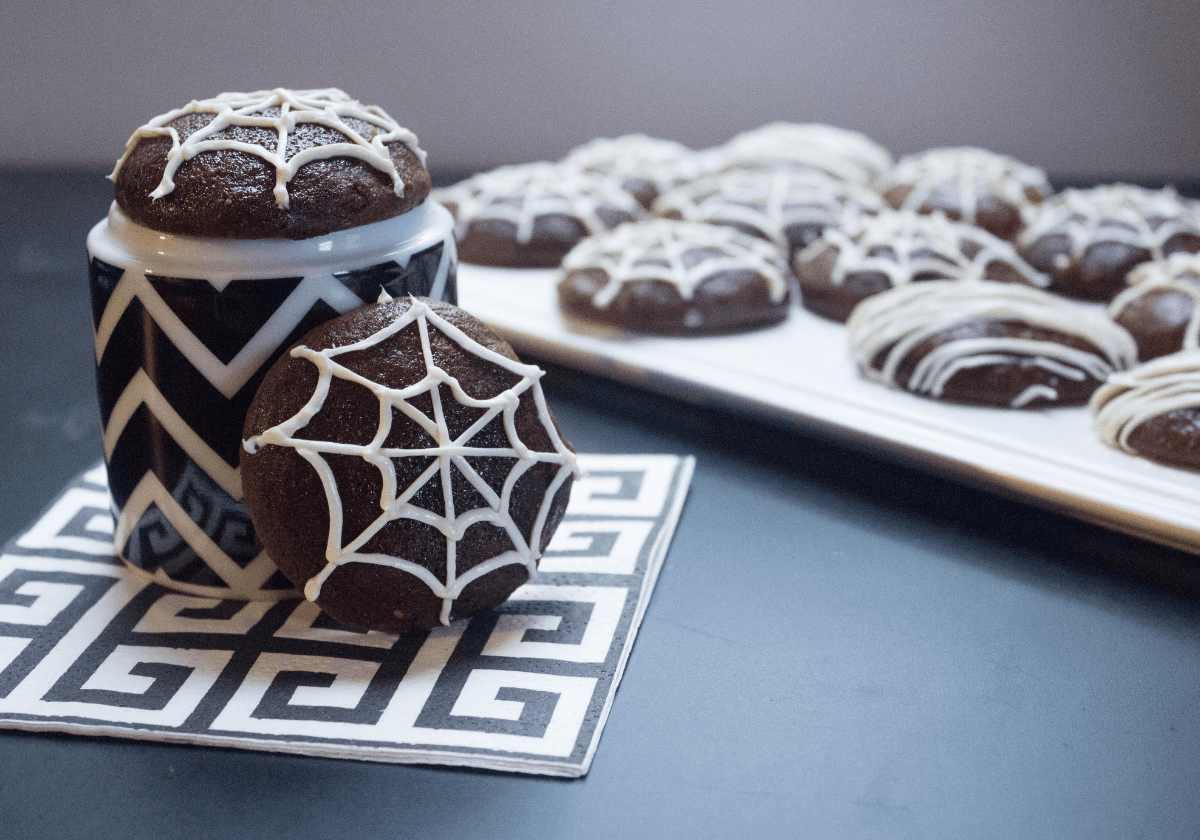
{"x": 325, "y": 107}
{"x": 445, "y": 451}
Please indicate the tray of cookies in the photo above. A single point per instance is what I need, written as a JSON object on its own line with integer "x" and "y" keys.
{"x": 961, "y": 322}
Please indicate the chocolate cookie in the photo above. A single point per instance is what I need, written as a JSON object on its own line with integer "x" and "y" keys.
{"x": 787, "y": 207}
{"x": 1153, "y": 410}
{"x": 1161, "y": 306}
{"x": 869, "y": 254}
{"x": 644, "y": 166}
{"x": 1089, "y": 240}
{"x": 989, "y": 344}
{"x": 402, "y": 468}
{"x": 838, "y": 152}
{"x": 975, "y": 186}
{"x": 673, "y": 277}
{"x": 214, "y": 167}
{"x": 530, "y": 215}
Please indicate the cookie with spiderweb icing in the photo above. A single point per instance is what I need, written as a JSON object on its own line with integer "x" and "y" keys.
{"x": 644, "y": 166}
{"x": 529, "y": 215}
{"x": 838, "y": 152}
{"x": 1089, "y": 240}
{"x": 1153, "y": 410}
{"x": 867, "y": 254}
{"x": 277, "y": 164}
{"x": 970, "y": 185}
{"x": 673, "y": 277}
{"x": 988, "y": 344}
{"x": 787, "y": 207}
{"x": 402, "y": 468}
{"x": 1161, "y": 306}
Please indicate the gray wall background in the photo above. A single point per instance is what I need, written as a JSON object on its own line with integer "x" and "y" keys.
{"x": 1084, "y": 89}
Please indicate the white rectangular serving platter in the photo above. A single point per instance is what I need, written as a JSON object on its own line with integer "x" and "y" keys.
{"x": 799, "y": 372}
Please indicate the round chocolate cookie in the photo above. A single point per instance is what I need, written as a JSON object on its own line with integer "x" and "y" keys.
{"x": 1089, "y": 240}
{"x": 838, "y": 152}
{"x": 401, "y": 466}
{"x": 868, "y": 254}
{"x": 787, "y": 207}
{"x": 213, "y": 167}
{"x": 988, "y": 344}
{"x": 644, "y": 166}
{"x": 672, "y": 277}
{"x": 530, "y": 215}
{"x": 1153, "y": 410}
{"x": 1161, "y": 306}
{"x": 970, "y": 185}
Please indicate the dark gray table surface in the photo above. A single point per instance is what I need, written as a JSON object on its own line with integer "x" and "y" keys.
{"x": 839, "y": 645}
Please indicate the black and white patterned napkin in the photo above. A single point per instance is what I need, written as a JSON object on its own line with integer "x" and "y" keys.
{"x": 90, "y": 647}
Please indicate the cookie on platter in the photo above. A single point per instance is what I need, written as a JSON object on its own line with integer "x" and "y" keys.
{"x": 867, "y": 254}
{"x": 838, "y": 152}
{"x": 1089, "y": 240}
{"x": 1153, "y": 410}
{"x": 402, "y": 468}
{"x": 529, "y": 215}
{"x": 976, "y": 186}
{"x": 645, "y": 166}
{"x": 1161, "y": 306}
{"x": 788, "y": 207}
{"x": 988, "y": 344}
{"x": 672, "y": 277}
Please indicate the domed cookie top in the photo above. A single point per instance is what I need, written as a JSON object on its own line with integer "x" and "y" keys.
{"x": 530, "y": 215}
{"x": 673, "y": 277}
{"x": 644, "y": 166}
{"x": 1153, "y": 410}
{"x": 786, "y": 206}
{"x": 988, "y": 344}
{"x": 975, "y": 186}
{"x": 402, "y": 467}
{"x": 281, "y": 163}
{"x": 868, "y": 254}
{"x": 839, "y": 152}
{"x": 1161, "y": 306}
{"x": 1088, "y": 240}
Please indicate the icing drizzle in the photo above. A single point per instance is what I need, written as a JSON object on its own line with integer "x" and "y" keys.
{"x": 684, "y": 254}
{"x": 901, "y": 319}
{"x": 326, "y": 106}
{"x": 769, "y": 201}
{"x": 1129, "y": 399}
{"x": 1119, "y": 213}
{"x": 966, "y": 174}
{"x": 447, "y": 451}
{"x": 902, "y": 244}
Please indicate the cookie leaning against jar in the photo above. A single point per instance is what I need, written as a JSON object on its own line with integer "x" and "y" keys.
{"x": 529, "y": 215}
{"x": 999, "y": 345}
{"x": 676, "y": 278}
{"x": 1087, "y": 241}
{"x": 1153, "y": 410}
{"x": 403, "y": 468}
{"x": 867, "y": 254}
{"x": 976, "y": 186}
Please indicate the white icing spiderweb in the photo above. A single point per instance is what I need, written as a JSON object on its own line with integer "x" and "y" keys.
{"x": 447, "y": 450}
{"x": 326, "y": 107}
